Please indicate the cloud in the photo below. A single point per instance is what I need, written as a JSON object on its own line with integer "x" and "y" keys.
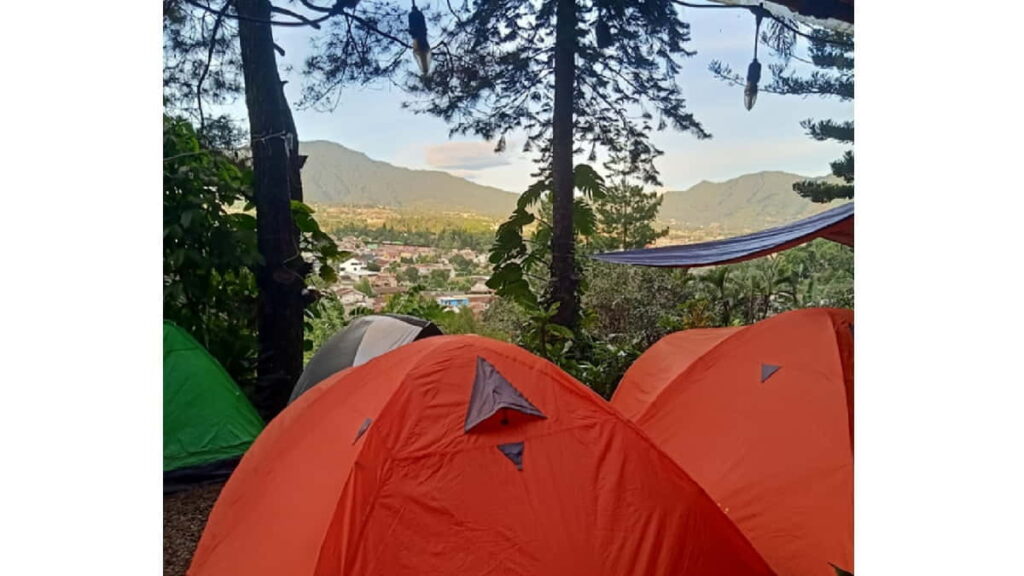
{"x": 464, "y": 156}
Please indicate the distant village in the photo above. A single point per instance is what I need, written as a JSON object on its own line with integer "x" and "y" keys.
{"x": 377, "y": 270}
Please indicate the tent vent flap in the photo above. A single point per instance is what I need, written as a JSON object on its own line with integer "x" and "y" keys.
{"x": 493, "y": 393}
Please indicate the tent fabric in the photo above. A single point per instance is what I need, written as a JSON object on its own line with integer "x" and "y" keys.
{"x": 835, "y": 224}
{"x": 365, "y": 338}
{"x": 491, "y": 393}
{"x": 418, "y": 495}
{"x": 774, "y": 448}
{"x": 208, "y": 422}
{"x": 383, "y": 335}
{"x": 654, "y": 369}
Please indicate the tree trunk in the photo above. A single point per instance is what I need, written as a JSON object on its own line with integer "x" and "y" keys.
{"x": 276, "y": 164}
{"x": 564, "y": 279}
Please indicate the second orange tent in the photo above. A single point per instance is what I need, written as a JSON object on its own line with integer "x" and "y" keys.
{"x": 761, "y": 417}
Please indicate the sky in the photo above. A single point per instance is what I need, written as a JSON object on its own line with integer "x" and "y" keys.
{"x": 768, "y": 137}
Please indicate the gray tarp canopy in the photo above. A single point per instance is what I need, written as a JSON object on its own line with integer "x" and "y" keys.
{"x": 362, "y": 340}
{"x": 835, "y": 224}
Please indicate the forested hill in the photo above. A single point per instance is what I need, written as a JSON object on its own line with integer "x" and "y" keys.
{"x": 746, "y": 203}
{"x": 334, "y": 174}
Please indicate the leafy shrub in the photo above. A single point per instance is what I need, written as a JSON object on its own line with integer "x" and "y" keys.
{"x": 210, "y": 250}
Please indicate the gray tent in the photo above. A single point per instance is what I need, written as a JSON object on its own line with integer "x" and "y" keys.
{"x": 362, "y": 340}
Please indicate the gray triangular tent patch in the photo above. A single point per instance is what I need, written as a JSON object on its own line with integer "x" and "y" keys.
{"x": 767, "y": 370}
{"x": 492, "y": 392}
{"x": 362, "y": 429}
{"x": 514, "y": 452}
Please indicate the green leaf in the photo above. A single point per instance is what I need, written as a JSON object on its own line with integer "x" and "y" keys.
{"x": 583, "y": 217}
{"x": 175, "y": 258}
{"x": 506, "y": 274}
{"x": 560, "y": 330}
{"x": 301, "y": 207}
{"x": 588, "y": 181}
{"x": 328, "y": 273}
{"x": 533, "y": 194}
{"x": 244, "y": 221}
{"x": 305, "y": 223}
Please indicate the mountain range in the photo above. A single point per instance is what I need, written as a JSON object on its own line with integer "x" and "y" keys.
{"x": 334, "y": 174}
{"x": 742, "y": 204}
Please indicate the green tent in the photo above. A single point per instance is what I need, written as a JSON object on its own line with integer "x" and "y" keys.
{"x": 208, "y": 422}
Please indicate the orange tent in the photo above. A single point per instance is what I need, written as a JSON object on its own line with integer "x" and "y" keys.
{"x": 463, "y": 455}
{"x": 762, "y": 418}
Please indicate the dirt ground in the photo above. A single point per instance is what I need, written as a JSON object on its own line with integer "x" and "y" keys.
{"x": 184, "y": 517}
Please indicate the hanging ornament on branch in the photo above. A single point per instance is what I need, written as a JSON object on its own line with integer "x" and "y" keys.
{"x": 602, "y": 31}
{"x": 754, "y": 69}
{"x": 420, "y": 45}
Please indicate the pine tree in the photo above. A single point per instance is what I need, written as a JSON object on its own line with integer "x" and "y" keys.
{"x": 835, "y": 59}
{"x": 570, "y": 75}
{"x": 625, "y": 217}
{"x": 831, "y": 53}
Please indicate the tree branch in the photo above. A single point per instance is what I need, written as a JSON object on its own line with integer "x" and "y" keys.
{"x": 316, "y": 8}
{"x": 209, "y": 59}
{"x": 313, "y": 23}
{"x": 452, "y": 10}
{"x": 367, "y": 25}
{"x": 236, "y": 16}
{"x": 766, "y": 13}
{"x": 690, "y": 5}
